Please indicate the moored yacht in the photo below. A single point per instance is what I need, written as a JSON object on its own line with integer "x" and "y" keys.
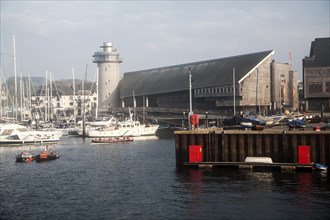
{"x": 125, "y": 128}
{"x": 18, "y": 134}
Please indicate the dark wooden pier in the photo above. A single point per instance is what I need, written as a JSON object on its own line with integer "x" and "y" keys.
{"x": 231, "y": 147}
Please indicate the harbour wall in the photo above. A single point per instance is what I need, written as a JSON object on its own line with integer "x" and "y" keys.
{"x": 235, "y": 146}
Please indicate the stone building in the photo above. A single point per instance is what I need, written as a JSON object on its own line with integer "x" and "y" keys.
{"x": 284, "y": 87}
{"x": 220, "y": 85}
{"x": 316, "y": 77}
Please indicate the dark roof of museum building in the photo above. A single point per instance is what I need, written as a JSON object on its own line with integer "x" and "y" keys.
{"x": 175, "y": 78}
{"x": 319, "y": 55}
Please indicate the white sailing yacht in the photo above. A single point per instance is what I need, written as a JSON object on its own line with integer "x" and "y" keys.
{"x": 129, "y": 127}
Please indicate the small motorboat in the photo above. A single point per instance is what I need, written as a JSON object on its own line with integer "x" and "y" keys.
{"x": 296, "y": 124}
{"x": 246, "y": 125}
{"x": 258, "y": 127}
{"x": 321, "y": 167}
{"x": 46, "y": 155}
{"x": 112, "y": 140}
{"x": 25, "y": 156}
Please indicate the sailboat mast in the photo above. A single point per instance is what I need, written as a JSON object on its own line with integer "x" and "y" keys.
{"x": 190, "y": 93}
{"x": 257, "y": 87}
{"x": 134, "y": 105}
{"x": 84, "y": 116}
{"x": 30, "y": 98}
{"x": 97, "y": 90}
{"x": 190, "y": 100}
{"x": 51, "y": 97}
{"x": 46, "y": 98}
{"x": 74, "y": 97}
{"x": 143, "y": 110}
{"x": 15, "y": 104}
{"x": 21, "y": 97}
{"x": 234, "y": 91}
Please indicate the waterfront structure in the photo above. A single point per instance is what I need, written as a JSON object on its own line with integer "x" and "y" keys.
{"x": 316, "y": 77}
{"x": 108, "y": 62}
{"x": 221, "y": 85}
{"x": 284, "y": 87}
{"x": 218, "y": 146}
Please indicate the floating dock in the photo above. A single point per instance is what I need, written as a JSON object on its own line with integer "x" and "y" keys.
{"x": 229, "y": 148}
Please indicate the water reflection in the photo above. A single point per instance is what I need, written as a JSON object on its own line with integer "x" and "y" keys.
{"x": 140, "y": 181}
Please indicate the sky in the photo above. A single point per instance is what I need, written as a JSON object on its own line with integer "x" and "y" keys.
{"x": 57, "y": 36}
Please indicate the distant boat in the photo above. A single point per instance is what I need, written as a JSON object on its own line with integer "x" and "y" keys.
{"x": 246, "y": 125}
{"x": 296, "y": 124}
{"x": 18, "y": 134}
{"x": 112, "y": 140}
{"x": 247, "y": 122}
{"x": 25, "y": 156}
{"x": 254, "y": 120}
{"x": 322, "y": 167}
{"x": 129, "y": 127}
{"x": 46, "y": 155}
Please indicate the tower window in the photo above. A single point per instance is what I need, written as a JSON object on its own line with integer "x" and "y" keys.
{"x": 105, "y": 68}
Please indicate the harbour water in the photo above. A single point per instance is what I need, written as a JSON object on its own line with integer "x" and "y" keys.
{"x": 139, "y": 180}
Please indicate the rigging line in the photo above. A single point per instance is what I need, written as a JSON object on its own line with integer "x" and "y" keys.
{"x": 38, "y": 101}
{"x": 9, "y": 95}
{"x": 58, "y": 95}
{"x": 95, "y": 76}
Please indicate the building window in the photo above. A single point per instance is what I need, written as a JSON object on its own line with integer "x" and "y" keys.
{"x": 327, "y": 87}
{"x": 105, "y": 68}
{"x": 315, "y": 87}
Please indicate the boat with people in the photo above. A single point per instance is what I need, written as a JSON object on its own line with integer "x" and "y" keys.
{"x": 46, "y": 155}
{"x": 25, "y": 156}
{"x": 18, "y": 134}
{"x": 123, "y": 139}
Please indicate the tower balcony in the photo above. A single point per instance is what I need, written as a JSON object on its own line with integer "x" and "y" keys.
{"x": 100, "y": 57}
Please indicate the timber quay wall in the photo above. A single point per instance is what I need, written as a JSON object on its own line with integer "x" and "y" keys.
{"x": 235, "y": 146}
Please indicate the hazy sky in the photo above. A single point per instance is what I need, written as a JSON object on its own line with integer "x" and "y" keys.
{"x": 60, "y": 35}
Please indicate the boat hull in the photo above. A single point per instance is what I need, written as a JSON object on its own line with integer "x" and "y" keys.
{"x": 42, "y": 158}
{"x": 25, "y": 158}
{"x": 133, "y": 132}
{"x": 112, "y": 140}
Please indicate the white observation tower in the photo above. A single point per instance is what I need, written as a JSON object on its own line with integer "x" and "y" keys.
{"x": 108, "y": 76}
